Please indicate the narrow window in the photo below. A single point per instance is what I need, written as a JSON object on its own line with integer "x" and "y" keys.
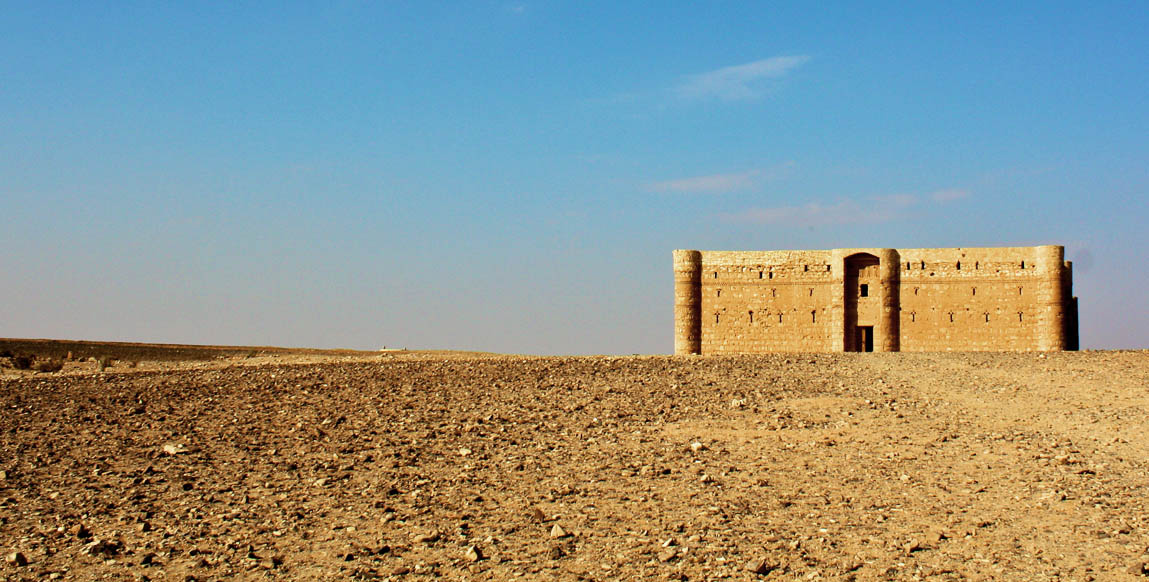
{"x": 715, "y": 319}
{"x": 779, "y": 318}
{"x": 907, "y": 265}
{"x": 771, "y": 275}
{"x": 986, "y": 317}
{"x": 915, "y": 290}
{"x": 719, "y": 293}
{"x": 864, "y": 290}
{"x": 805, "y": 268}
{"x": 976, "y": 265}
{"x": 773, "y": 292}
{"x": 1023, "y": 264}
{"x": 1019, "y": 290}
{"x": 951, "y": 317}
{"x": 759, "y": 274}
{"x": 715, "y": 274}
{"x": 959, "y": 265}
{"x": 751, "y": 317}
{"x": 913, "y": 316}
{"x": 973, "y": 291}
{"x": 827, "y": 268}
{"x": 811, "y": 291}
{"x": 1019, "y": 316}
{"x": 813, "y": 317}
{"x": 923, "y": 265}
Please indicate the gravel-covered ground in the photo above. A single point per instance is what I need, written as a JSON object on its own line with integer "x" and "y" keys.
{"x": 413, "y": 467}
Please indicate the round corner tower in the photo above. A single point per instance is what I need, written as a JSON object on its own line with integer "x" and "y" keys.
{"x": 687, "y": 302}
{"x": 1050, "y": 265}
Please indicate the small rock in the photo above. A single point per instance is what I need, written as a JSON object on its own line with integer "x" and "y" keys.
{"x": 707, "y": 479}
{"x": 100, "y": 547}
{"x": 401, "y": 571}
{"x": 3, "y": 475}
{"x": 760, "y": 567}
{"x": 80, "y": 530}
{"x": 464, "y": 452}
{"x": 473, "y": 554}
{"x": 173, "y": 449}
{"x": 16, "y": 559}
{"x": 667, "y": 554}
{"x": 536, "y": 514}
{"x": 556, "y": 552}
{"x": 557, "y": 532}
{"x": 1139, "y": 569}
{"x": 670, "y": 542}
{"x": 697, "y": 447}
{"x": 426, "y": 538}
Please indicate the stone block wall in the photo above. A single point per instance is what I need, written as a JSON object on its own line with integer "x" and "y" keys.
{"x": 967, "y": 299}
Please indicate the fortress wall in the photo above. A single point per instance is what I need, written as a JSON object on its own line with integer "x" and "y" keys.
{"x": 970, "y": 299}
{"x": 770, "y": 301}
{"x": 979, "y": 299}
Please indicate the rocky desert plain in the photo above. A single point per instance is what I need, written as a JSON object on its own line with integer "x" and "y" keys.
{"x": 286, "y": 465}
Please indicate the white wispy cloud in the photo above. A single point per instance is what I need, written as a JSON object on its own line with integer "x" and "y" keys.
{"x": 718, "y": 183}
{"x": 739, "y": 82}
{"x": 876, "y": 209}
{"x": 871, "y": 210}
{"x": 714, "y": 183}
{"x": 949, "y": 195}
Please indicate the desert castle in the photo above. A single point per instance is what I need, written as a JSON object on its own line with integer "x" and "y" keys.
{"x": 885, "y": 300}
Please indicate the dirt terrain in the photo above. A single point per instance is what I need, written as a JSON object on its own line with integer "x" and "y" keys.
{"x": 410, "y": 466}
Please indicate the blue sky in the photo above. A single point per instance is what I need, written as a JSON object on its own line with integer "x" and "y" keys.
{"x": 512, "y": 176}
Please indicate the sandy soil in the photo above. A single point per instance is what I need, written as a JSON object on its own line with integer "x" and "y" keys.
{"x": 408, "y": 466}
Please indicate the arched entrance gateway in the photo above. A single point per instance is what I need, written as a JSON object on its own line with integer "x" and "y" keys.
{"x": 869, "y": 299}
{"x": 862, "y": 308}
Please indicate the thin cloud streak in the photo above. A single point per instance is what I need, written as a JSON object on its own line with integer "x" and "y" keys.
{"x": 949, "y": 195}
{"x": 712, "y": 184}
{"x": 872, "y": 210}
{"x": 878, "y": 210}
{"x": 719, "y": 183}
{"x": 739, "y": 82}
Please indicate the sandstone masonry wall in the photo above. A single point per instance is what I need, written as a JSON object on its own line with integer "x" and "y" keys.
{"x": 969, "y": 299}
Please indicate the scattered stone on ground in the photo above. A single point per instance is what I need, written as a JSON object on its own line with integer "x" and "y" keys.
{"x": 413, "y": 466}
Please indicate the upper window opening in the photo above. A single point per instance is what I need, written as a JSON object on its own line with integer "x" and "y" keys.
{"x": 959, "y": 265}
{"x": 1023, "y": 264}
{"x": 715, "y": 274}
{"x": 805, "y": 268}
{"x": 864, "y": 290}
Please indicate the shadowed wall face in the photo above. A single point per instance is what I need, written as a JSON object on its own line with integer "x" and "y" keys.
{"x": 984, "y": 299}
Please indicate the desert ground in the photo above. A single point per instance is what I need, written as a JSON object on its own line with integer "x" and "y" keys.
{"x": 264, "y": 465}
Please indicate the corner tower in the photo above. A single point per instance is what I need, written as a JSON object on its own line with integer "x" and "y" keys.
{"x": 687, "y": 302}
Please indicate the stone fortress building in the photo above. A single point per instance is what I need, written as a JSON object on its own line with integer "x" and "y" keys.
{"x": 885, "y": 300}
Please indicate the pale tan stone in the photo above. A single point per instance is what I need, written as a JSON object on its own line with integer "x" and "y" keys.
{"x": 957, "y": 299}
